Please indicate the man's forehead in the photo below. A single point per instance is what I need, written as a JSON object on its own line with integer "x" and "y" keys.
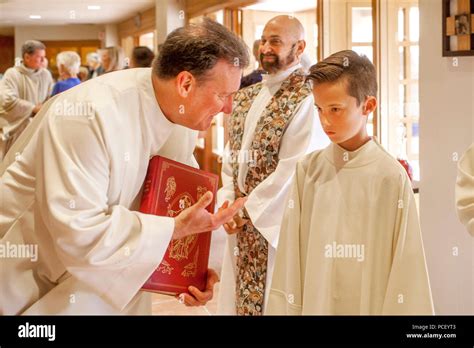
{"x": 225, "y": 86}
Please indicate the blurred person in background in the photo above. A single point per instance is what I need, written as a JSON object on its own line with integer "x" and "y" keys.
{"x": 256, "y": 75}
{"x": 23, "y": 90}
{"x": 68, "y": 63}
{"x": 112, "y": 59}
{"x": 142, "y": 57}
{"x": 93, "y": 64}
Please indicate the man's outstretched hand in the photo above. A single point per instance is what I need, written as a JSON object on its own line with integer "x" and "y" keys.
{"x": 199, "y": 298}
{"x": 196, "y": 219}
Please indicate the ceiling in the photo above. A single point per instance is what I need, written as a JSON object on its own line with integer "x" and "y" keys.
{"x": 60, "y": 12}
{"x": 283, "y": 6}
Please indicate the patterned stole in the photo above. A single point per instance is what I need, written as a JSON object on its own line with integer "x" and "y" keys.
{"x": 252, "y": 253}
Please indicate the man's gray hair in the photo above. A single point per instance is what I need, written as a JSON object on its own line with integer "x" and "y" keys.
{"x": 197, "y": 48}
{"x": 30, "y": 46}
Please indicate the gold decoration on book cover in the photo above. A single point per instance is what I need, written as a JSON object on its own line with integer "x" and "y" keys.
{"x": 191, "y": 268}
{"x": 165, "y": 267}
{"x": 181, "y": 249}
{"x": 170, "y": 188}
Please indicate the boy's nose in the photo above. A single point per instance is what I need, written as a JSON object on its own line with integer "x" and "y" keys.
{"x": 324, "y": 120}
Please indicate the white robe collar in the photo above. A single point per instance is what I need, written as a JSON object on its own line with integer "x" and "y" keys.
{"x": 273, "y": 79}
{"x": 158, "y": 125}
{"x": 342, "y": 158}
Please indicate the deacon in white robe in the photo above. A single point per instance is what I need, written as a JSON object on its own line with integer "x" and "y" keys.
{"x": 21, "y": 90}
{"x": 303, "y": 135}
{"x": 102, "y": 251}
{"x": 72, "y": 241}
{"x": 465, "y": 189}
{"x": 350, "y": 240}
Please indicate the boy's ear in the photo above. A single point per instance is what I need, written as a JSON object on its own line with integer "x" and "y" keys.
{"x": 369, "y": 105}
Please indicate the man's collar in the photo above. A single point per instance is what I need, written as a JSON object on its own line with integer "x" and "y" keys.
{"x": 279, "y": 76}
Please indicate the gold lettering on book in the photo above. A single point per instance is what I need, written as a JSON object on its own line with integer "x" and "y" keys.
{"x": 170, "y": 188}
{"x": 165, "y": 267}
{"x": 191, "y": 268}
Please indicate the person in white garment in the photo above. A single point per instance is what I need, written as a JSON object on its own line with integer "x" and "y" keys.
{"x": 23, "y": 90}
{"x": 273, "y": 124}
{"x": 72, "y": 241}
{"x": 350, "y": 242}
{"x": 465, "y": 189}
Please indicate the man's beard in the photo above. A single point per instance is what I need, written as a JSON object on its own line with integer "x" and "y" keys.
{"x": 277, "y": 64}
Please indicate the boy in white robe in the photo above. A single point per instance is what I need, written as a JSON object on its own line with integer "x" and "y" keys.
{"x": 350, "y": 241}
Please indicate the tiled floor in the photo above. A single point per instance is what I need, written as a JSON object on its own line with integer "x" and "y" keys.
{"x": 168, "y": 305}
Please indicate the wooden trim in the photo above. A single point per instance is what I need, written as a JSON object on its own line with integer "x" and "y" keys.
{"x": 320, "y": 24}
{"x": 233, "y": 20}
{"x": 377, "y": 55}
{"x": 65, "y": 43}
{"x": 146, "y": 24}
{"x": 196, "y": 8}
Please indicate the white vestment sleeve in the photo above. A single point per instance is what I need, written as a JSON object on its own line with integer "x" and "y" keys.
{"x": 108, "y": 247}
{"x": 264, "y": 202}
{"x": 465, "y": 189}
{"x": 286, "y": 288}
{"x": 226, "y": 192}
{"x": 408, "y": 288}
{"x": 12, "y": 107}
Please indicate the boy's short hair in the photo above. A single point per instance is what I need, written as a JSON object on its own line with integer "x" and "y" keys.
{"x": 358, "y": 71}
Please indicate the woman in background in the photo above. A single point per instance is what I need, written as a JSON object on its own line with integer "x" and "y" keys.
{"x": 112, "y": 59}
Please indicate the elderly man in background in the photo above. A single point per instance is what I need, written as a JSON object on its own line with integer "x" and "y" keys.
{"x": 23, "y": 90}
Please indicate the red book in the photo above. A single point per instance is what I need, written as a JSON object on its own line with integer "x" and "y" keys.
{"x": 170, "y": 187}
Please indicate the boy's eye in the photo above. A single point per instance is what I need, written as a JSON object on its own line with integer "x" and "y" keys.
{"x": 335, "y": 109}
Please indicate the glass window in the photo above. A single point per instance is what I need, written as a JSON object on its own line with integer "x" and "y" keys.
{"x": 414, "y": 24}
{"x": 361, "y": 24}
{"x": 401, "y": 27}
{"x": 414, "y": 61}
{"x": 147, "y": 40}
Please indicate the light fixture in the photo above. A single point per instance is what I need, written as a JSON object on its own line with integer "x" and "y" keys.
{"x": 93, "y": 7}
{"x": 35, "y": 17}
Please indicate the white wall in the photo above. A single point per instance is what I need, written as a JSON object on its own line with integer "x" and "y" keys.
{"x": 446, "y": 129}
{"x": 55, "y": 32}
{"x": 168, "y": 17}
